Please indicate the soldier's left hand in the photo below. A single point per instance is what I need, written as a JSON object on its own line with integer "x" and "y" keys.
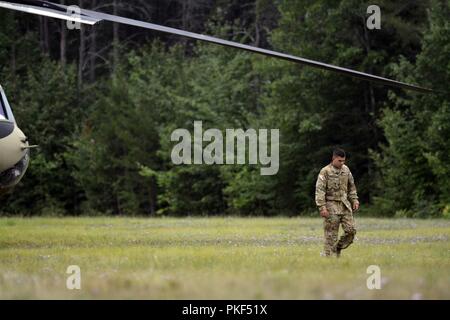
{"x": 355, "y": 206}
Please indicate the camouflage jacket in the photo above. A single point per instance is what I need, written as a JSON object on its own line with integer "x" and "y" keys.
{"x": 335, "y": 185}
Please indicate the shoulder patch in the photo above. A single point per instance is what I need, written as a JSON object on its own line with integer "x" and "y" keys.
{"x": 324, "y": 171}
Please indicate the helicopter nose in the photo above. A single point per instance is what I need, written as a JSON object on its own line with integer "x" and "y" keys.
{"x": 6, "y": 128}
{"x": 13, "y": 145}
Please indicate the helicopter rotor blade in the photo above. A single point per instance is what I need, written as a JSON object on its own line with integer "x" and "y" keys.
{"x": 48, "y": 9}
{"x": 92, "y": 17}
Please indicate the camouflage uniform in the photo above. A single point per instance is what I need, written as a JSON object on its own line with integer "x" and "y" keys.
{"x": 336, "y": 190}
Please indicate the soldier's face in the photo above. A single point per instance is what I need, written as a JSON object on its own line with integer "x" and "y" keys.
{"x": 338, "y": 162}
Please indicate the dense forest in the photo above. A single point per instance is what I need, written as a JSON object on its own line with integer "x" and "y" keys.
{"x": 101, "y": 103}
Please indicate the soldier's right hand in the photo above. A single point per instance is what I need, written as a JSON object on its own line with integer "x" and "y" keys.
{"x": 324, "y": 213}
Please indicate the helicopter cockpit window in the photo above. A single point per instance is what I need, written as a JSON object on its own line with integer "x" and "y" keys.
{"x": 2, "y": 109}
{"x": 12, "y": 176}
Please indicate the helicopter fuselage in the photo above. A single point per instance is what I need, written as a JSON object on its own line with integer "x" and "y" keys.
{"x": 14, "y": 148}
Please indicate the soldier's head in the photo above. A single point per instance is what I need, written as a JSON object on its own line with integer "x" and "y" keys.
{"x": 338, "y": 158}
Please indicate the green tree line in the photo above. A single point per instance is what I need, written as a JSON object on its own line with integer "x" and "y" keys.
{"x": 102, "y": 103}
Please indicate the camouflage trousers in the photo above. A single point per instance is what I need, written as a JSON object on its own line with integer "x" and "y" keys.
{"x": 339, "y": 215}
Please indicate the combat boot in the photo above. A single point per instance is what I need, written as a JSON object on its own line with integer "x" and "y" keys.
{"x": 338, "y": 252}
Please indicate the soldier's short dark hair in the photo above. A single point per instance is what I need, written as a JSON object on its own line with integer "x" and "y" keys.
{"x": 338, "y": 152}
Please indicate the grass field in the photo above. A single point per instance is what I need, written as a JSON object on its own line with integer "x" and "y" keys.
{"x": 220, "y": 258}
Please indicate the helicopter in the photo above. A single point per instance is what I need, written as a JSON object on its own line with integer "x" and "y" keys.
{"x": 14, "y": 146}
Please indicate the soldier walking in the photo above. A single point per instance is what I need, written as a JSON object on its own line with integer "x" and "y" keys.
{"x": 337, "y": 199}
